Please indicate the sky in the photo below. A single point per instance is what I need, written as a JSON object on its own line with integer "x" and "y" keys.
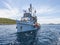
{"x": 48, "y": 11}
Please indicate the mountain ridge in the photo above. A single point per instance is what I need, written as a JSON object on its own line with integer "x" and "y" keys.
{"x": 7, "y": 21}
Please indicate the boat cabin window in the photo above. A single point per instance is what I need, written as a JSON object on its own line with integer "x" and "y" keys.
{"x": 27, "y": 15}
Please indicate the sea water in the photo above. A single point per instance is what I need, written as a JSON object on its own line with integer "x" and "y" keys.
{"x": 46, "y": 35}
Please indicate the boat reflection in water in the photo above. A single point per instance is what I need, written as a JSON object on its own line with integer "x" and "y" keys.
{"x": 26, "y": 38}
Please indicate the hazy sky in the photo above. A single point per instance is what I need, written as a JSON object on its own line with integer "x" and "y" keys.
{"x": 48, "y": 11}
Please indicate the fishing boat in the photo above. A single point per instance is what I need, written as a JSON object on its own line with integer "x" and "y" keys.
{"x": 28, "y": 22}
{"x": 27, "y": 27}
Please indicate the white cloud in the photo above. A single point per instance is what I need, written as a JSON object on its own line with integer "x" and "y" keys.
{"x": 10, "y": 12}
{"x": 7, "y": 5}
{"x": 45, "y": 20}
{"x": 47, "y": 10}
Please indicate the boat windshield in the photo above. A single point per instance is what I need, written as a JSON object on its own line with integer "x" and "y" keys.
{"x": 25, "y": 19}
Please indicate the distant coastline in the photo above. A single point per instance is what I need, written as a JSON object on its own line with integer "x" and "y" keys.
{"x": 51, "y": 24}
{"x": 6, "y": 21}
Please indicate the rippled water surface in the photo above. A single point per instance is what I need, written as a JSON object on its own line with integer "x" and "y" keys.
{"x": 46, "y": 35}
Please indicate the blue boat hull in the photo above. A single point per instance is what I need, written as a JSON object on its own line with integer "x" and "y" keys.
{"x": 25, "y": 27}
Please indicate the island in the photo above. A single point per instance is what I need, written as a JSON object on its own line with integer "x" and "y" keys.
{"x": 7, "y": 21}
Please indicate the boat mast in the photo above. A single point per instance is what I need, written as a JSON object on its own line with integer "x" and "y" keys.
{"x": 30, "y": 9}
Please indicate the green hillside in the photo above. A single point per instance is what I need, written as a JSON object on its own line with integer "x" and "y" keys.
{"x": 7, "y": 21}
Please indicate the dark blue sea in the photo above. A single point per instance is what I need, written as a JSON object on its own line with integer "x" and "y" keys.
{"x": 46, "y": 35}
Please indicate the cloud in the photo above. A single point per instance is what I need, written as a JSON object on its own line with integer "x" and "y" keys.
{"x": 7, "y": 5}
{"x": 44, "y": 20}
{"x": 46, "y": 15}
{"x": 9, "y": 11}
{"x": 47, "y": 10}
